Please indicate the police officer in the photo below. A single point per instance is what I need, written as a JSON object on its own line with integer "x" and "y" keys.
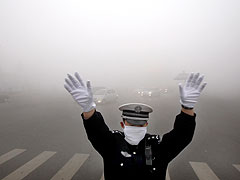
{"x": 133, "y": 153}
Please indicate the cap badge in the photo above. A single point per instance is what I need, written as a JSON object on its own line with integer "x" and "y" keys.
{"x": 138, "y": 109}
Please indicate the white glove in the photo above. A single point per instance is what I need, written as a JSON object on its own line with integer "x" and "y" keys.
{"x": 190, "y": 92}
{"x": 80, "y": 92}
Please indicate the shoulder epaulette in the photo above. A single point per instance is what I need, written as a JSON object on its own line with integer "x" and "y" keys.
{"x": 117, "y": 132}
{"x": 154, "y": 138}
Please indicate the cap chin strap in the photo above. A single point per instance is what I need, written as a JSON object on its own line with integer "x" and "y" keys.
{"x": 135, "y": 118}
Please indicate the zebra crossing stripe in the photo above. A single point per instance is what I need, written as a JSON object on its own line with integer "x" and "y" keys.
{"x": 102, "y": 178}
{"x": 203, "y": 171}
{"x": 167, "y": 175}
{"x": 10, "y": 155}
{"x": 237, "y": 166}
{"x": 31, "y": 165}
{"x": 71, "y": 167}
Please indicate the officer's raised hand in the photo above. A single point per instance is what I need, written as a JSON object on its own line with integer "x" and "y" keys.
{"x": 80, "y": 92}
{"x": 192, "y": 89}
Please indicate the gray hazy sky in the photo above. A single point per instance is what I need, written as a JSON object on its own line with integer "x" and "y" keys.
{"x": 117, "y": 43}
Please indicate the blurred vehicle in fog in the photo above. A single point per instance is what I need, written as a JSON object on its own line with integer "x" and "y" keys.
{"x": 97, "y": 88}
{"x": 4, "y": 98}
{"x": 182, "y": 76}
{"x": 151, "y": 92}
{"x": 104, "y": 95}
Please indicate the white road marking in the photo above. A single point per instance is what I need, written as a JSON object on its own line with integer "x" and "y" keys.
{"x": 167, "y": 175}
{"x": 11, "y": 154}
{"x": 102, "y": 178}
{"x": 203, "y": 171}
{"x": 31, "y": 165}
{"x": 71, "y": 167}
{"x": 237, "y": 166}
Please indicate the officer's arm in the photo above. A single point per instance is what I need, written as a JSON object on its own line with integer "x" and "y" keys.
{"x": 188, "y": 111}
{"x": 180, "y": 136}
{"x": 97, "y": 131}
{"x": 89, "y": 114}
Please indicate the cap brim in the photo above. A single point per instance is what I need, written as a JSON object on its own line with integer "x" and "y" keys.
{"x": 136, "y": 122}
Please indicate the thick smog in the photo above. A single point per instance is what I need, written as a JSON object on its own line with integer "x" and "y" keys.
{"x": 131, "y": 58}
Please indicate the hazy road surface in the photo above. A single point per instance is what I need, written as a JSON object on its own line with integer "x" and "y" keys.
{"x": 42, "y": 137}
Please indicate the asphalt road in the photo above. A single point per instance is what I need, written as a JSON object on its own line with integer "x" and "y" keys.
{"x": 41, "y": 134}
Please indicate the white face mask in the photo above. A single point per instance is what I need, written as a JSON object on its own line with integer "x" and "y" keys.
{"x": 133, "y": 134}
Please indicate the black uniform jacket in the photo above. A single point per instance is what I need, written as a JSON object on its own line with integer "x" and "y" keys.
{"x": 124, "y": 161}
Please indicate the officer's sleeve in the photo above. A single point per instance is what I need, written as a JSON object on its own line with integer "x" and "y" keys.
{"x": 177, "y": 139}
{"x": 98, "y": 133}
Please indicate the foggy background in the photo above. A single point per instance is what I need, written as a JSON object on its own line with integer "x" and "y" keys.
{"x": 124, "y": 45}
{"x": 120, "y": 43}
